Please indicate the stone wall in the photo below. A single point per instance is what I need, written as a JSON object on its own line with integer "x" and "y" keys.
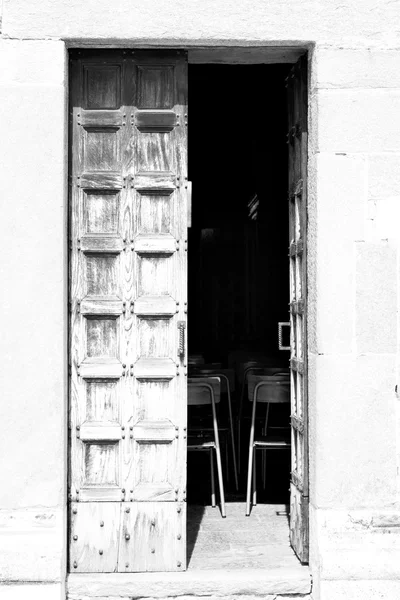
{"x": 354, "y": 334}
{"x": 354, "y": 211}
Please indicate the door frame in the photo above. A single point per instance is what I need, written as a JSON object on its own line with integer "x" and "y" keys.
{"x": 234, "y": 55}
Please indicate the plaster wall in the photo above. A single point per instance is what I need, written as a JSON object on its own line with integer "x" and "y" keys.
{"x": 33, "y": 316}
{"x": 354, "y": 211}
{"x": 358, "y": 22}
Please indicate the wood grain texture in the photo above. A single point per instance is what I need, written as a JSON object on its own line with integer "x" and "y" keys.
{"x": 297, "y": 139}
{"x": 127, "y": 292}
{"x": 155, "y": 244}
{"x": 155, "y": 120}
{"x": 245, "y": 56}
{"x": 237, "y": 557}
{"x": 94, "y": 537}
{"x": 102, "y": 86}
{"x": 154, "y": 214}
{"x": 155, "y": 306}
{"x": 101, "y": 212}
{"x": 153, "y": 183}
{"x": 153, "y": 537}
{"x": 101, "y": 181}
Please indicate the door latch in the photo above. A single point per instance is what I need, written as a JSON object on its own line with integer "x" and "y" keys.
{"x": 282, "y": 324}
{"x": 181, "y": 348}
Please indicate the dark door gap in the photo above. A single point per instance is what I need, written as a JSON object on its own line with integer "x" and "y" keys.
{"x": 238, "y": 243}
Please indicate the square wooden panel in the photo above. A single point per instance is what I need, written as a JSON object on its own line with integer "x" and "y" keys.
{"x": 155, "y": 338}
{"x": 101, "y": 464}
{"x": 102, "y": 86}
{"x": 155, "y": 275}
{"x": 299, "y": 396}
{"x": 153, "y": 537}
{"x": 295, "y": 455}
{"x": 154, "y": 152}
{"x": 299, "y": 336}
{"x": 299, "y": 276}
{"x": 154, "y": 470}
{"x": 94, "y": 537}
{"x": 101, "y": 338}
{"x": 155, "y": 86}
{"x": 101, "y": 149}
{"x": 101, "y": 274}
{"x": 102, "y": 402}
{"x": 297, "y": 218}
{"x": 154, "y": 213}
{"x": 155, "y": 399}
{"x": 101, "y": 212}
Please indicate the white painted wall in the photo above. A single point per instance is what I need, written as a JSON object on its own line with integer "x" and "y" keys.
{"x": 355, "y": 22}
{"x": 33, "y": 315}
{"x": 354, "y": 274}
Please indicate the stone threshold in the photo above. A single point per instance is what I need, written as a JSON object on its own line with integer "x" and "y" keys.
{"x": 242, "y": 582}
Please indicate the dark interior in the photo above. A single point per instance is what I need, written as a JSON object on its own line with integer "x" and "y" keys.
{"x": 238, "y": 242}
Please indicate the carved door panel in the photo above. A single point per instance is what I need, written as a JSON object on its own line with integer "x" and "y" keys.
{"x": 128, "y": 187}
{"x": 297, "y": 138}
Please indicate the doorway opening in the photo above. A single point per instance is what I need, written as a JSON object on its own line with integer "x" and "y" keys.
{"x": 238, "y": 293}
{"x": 129, "y": 398}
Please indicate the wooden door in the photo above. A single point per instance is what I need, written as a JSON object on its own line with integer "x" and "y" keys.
{"x": 128, "y": 174}
{"x": 297, "y": 138}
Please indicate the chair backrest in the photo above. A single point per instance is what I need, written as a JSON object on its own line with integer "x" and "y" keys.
{"x": 266, "y": 367}
{"x": 238, "y": 357}
{"x": 210, "y": 370}
{"x": 200, "y": 390}
{"x": 213, "y": 365}
{"x": 195, "y": 359}
{"x": 271, "y": 389}
{"x": 273, "y": 371}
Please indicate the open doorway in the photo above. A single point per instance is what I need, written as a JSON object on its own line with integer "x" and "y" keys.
{"x": 128, "y": 297}
{"x": 238, "y": 293}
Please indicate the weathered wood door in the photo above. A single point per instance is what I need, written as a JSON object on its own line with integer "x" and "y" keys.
{"x": 128, "y": 174}
{"x": 297, "y": 138}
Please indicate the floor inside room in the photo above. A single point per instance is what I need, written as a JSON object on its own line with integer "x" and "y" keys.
{"x": 260, "y": 541}
{"x": 238, "y": 292}
{"x": 239, "y": 542}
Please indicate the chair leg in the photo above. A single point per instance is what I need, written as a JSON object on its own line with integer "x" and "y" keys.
{"x": 227, "y": 462}
{"x": 220, "y": 480}
{"x": 239, "y": 417}
{"x": 218, "y": 454}
{"x": 235, "y": 471}
{"x": 238, "y": 450}
{"x": 264, "y": 454}
{"x": 254, "y": 480}
{"x": 249, "y": 477}
{"x": 251, "y": 458}
{"x": 264, "y": 468}
{"x": 213, "y": 501}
